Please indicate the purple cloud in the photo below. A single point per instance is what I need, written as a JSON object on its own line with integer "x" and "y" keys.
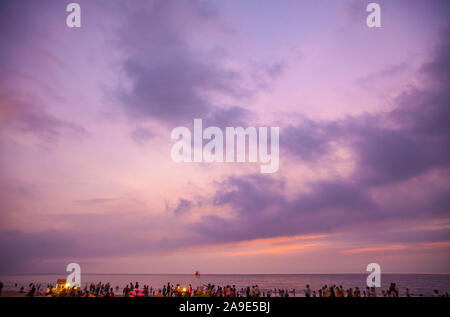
{"x": 389, "y": 149}
{"x": 171, "y": 80}
{"x": 395, "y": 146}
{"x": 182, "y": 206}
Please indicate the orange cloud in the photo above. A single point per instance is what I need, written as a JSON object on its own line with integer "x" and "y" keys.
{"x": 263, "y": 241}
{"x": 375, "y": 249}
{"x": 440, "y": 244}
{"x": 395, "y": 247}
{"x": 276, "y": 245}
{"x": 279, "y": 240}
{"x": 283, "y": 249}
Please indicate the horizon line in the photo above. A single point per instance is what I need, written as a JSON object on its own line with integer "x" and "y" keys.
{"x": 208, "y": 274}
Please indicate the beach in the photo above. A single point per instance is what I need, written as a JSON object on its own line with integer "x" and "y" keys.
{"x": 241, "y": 285}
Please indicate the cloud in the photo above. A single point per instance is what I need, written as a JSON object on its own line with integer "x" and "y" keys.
{"x": 283, "y": 249}
{"x": 20, "y": 250}
{"x": 436, "y": 68}
{"x": 308, "y": 140}
{"x": 90, "y": 236}
{"x": 371, "y": 80}
{"x": 167, "y": 75}
{"x": 27, "y": 73}
{"x": 395, "y": 248}
{"x": 172, "y": 74}
{"x": 388, "y": 149}
{"x": 262, "y": 211}
{"x": 383, "y": 249}
{"x": 141, "y": 135}
{"x": 249, "y": 194}
{"x": 171, "y": 80}
{"x": 94, "y": 201}
{"x": 30, "y": 117}
{"x": 233, "y": 116}
{"x": 183, "y": 206}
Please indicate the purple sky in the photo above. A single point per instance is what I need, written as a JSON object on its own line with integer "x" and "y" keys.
{"x": 86, "y": 113}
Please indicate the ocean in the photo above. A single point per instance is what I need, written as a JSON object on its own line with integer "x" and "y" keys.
{"x": 418, "y": 284}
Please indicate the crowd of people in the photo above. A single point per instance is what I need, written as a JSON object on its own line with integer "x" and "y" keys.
{"x": 209, "y": 290}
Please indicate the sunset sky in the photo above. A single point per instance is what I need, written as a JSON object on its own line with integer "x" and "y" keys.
{"x": 86, "y": 114}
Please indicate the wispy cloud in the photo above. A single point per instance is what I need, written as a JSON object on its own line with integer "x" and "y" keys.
{"x": 282, "y": 249}
{"x": 375, "y": 249}
{"x": 93, "y": 201}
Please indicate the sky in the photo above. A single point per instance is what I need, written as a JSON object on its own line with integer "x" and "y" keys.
{"x": 86, "y": 115}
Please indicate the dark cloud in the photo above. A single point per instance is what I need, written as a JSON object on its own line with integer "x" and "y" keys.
{"x": 418, "y": 137}
{"x": 437, "y": 68}
{"x": 307, "y": 140}
{"x": 168, "y": 78}
{"x": 83, "y": 236}
{"x": 395, "y": 236}
{"x": 260, "y": 210}
{"x": 31, "y": 117}
{"x": 182, "y": 206}
{"x": 233, "y": 116}
{"x": 275, "y": 70}
{"x": 373, "y": 79}
{"x": 249, "y": 194}
{"x": 20, "y": 250}
{"x": 388, "y": 149}
{"x": 25, "y": 67}
{"x": 263, "y": 211}
{"x": 173, "y": 81}
{"x": 29, "y": 251}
